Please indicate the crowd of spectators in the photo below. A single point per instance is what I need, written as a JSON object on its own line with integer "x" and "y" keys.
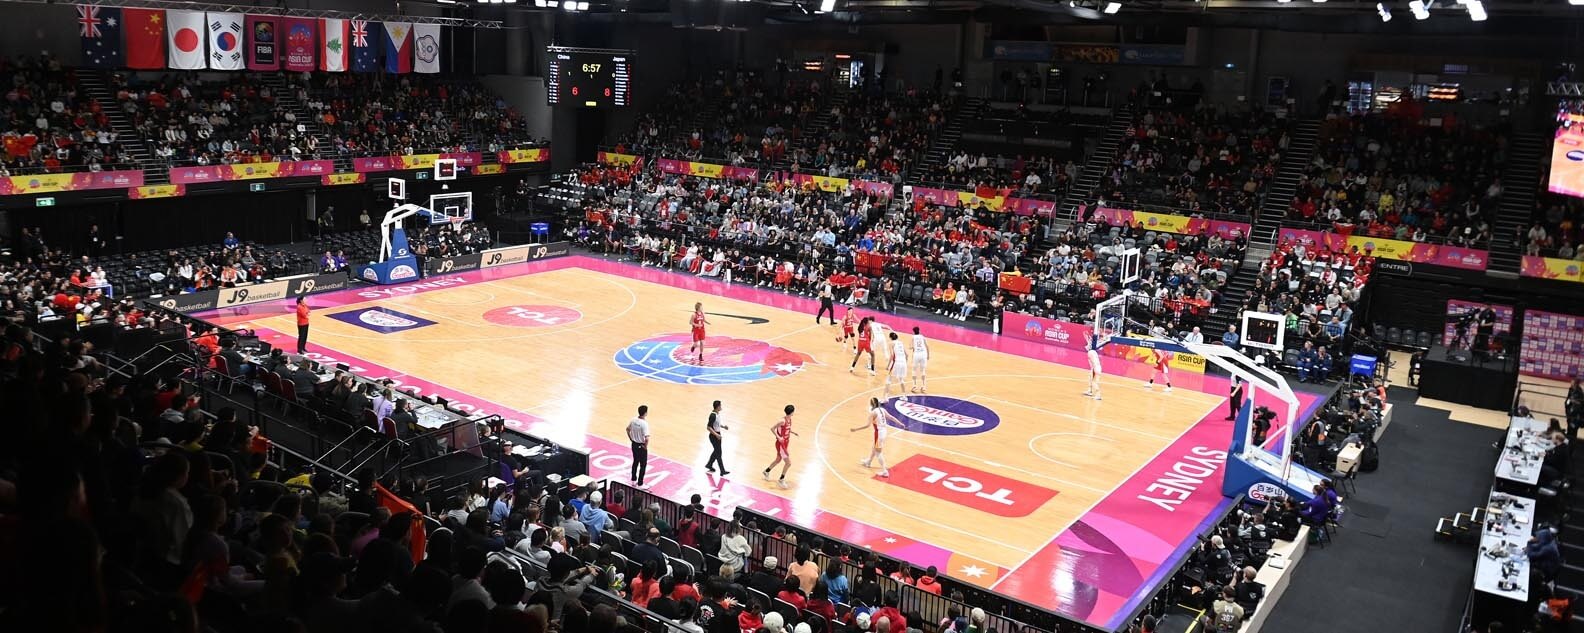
{"x": 1389, "y": 175}
{"x": 88, "y": 284}
{"x": 875, "y": 136}
{"x": 1315, "y": 290}
{"x": 755, "y": 122}
{"x": 1018, "y": 175}
{"x": 49, "y": 123}
{"x": 368, "y": 114}
{"x": 662, "y": 126}
{"x": 1199, "y": 160}
{"x": 1180, "y": 275}
{"x": 206, "y": 119}
{"x": 777, "y": 233}
{"x": 1555, "y": 230}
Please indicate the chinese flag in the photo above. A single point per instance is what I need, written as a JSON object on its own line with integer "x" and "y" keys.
{"x": 144, "y": 30}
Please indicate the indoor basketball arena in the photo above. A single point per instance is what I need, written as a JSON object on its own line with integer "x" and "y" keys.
{"x": 754, "y": 316}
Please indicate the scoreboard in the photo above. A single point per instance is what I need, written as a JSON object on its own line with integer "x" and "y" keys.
{"x": 588, "y": 78}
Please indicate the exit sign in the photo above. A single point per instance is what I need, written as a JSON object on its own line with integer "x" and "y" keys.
{"x": 255, "y": 186}
{"x": 423, "y": 175}
{"x": 44, "y": 202}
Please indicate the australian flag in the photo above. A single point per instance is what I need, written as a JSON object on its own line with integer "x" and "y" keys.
{"x": 367, "y": 43}
{"x": 100, "y": 29}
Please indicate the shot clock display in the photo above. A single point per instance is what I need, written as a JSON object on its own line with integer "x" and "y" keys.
{"x": 588, "y": 78}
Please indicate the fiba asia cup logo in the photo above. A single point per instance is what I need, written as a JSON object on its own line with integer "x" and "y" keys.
{"x": 727, "y": 360}
{"x": 941, "y": 415}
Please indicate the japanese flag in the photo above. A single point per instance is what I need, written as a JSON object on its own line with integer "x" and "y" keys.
{"x": 185, "y": 30}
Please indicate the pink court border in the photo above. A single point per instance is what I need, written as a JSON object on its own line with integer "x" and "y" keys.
{"x": 1095, "y": 571}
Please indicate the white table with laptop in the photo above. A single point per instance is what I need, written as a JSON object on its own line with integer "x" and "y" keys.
{"x": 1524, "y": 452}
{"x": 1502, "y": 567}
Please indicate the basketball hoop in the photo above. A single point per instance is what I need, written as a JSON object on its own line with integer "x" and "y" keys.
{"x": 456, "y": 223}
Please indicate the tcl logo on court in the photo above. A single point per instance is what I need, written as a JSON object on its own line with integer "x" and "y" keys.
{"x": 970, "y": 487}
{"x": 532, "y": 315}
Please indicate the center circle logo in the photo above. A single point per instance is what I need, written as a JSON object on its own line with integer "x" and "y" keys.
{"x": 532, "y": 316}
{"x": 385, "y": 319}
{"x": 942, "y": 415}
{"x": 727, "y": 360}
{"x": 1575, "y": 155}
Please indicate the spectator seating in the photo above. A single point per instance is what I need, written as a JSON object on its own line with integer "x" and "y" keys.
{"x": 1199, "y": 160}
{"x": 213, "y": 118}
{"x": 1556, "y": 228}
{"x": 1019, "y": 174}
{"x": 876, "y": 136}
{"x": 49, "y": 124}
{"x": 1315, "y": 290}
{"x": 367, "y": 114}
{"x": 1388, "y": 175}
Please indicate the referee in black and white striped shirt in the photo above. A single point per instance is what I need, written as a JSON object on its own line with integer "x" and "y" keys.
{"x": 715, "y": 429}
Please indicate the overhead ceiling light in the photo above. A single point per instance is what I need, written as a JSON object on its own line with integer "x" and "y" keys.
{"x": 1476, "y": 10}
{"x": 1421, "y": 11}
{"x": 1112, "y": 7}
{"x": 1385, "y": 13}
{"x": 1284, "y": 1}
{"x": 1576, "y": 2}
{"x": 827, "y": 6}
{"x": 541, "y": 3}
{"x": 583, "y": 6}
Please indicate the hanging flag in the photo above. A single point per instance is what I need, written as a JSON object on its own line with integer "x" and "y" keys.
{"x": 145, "y": 37}
{"x": 366, "y": 46}
{"x": 100, "y": 28}
{"x": 225, "y": 40}
{"x": 398, "y": 47}
{"x": 426, "y": 48}
{"x": 333, "y": 58}
{"x": 301, "y": 40}
{"x": 186, "y": 40}
{"x": 263, "y": 51}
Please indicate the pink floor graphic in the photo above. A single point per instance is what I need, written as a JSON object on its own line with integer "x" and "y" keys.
{"x": 1096, "y": 571}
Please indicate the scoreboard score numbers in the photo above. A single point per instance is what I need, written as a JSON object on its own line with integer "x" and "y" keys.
{"x": 588, "y": 78}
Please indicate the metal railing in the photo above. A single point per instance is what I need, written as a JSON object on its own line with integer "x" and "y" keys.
{"x": 1542, "y": 399}
{"x": 1289, "y": 222}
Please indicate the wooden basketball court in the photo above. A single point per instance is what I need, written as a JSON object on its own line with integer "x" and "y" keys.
{"x": 1002, "y": 455}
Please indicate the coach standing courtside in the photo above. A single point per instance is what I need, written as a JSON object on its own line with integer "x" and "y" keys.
{"x": 827, "y": 297}
{"x": 302, "y": 326}
{"x": 715, "y": 428}
{"x": 638, "y": 434}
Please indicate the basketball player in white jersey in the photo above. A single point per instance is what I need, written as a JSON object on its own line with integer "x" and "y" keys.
{"x": 897, "y": 367}
{"x": 920, "y": 360}
{"x": 879, "y": 419}
{"x": 1092, "y": 345}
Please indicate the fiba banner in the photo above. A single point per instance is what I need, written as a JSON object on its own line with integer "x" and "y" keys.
{"x": 514, "y": 156}
{"x": 302, "y": 41}
{"x": 1400, "y": 250}
{"x": 1552, "y": 268}
{"x": 151, "y": 192}
{"x": 1031, "y": 206}
{"x": 489, "y": 170}
{"x": 706, "y": 170}
{"x": 251, "y": 171}
{"x": 949, "y": 198}
{"x": 225, "y": 41}
{"x": 426, "y": 48}
{"x": 1179, "y": 224}
{"x": 400, "y": 162}
{"x": 185, "y": 30}
{"x": 1071, "y": 335}
{"x": 612, "y": 158}
{"x": 519, "y": 254}
{"x": 76, "y": 181}
{"x": 263, "y": 51}
{"x": 331, "y": 180}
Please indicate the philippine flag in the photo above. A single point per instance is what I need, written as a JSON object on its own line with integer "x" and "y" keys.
{"x": 398, "y": 47}
{"x": 225, "y": 41}
{"x": 186, "y": 45}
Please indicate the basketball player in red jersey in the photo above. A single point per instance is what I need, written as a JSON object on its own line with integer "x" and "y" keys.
{"x": 865, "y": 339}
{"x": 783, "y": 439}
{"x": 849, "y": 326}
{"x": 1162, "y": 364}
{"x": 698, "y": 322}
